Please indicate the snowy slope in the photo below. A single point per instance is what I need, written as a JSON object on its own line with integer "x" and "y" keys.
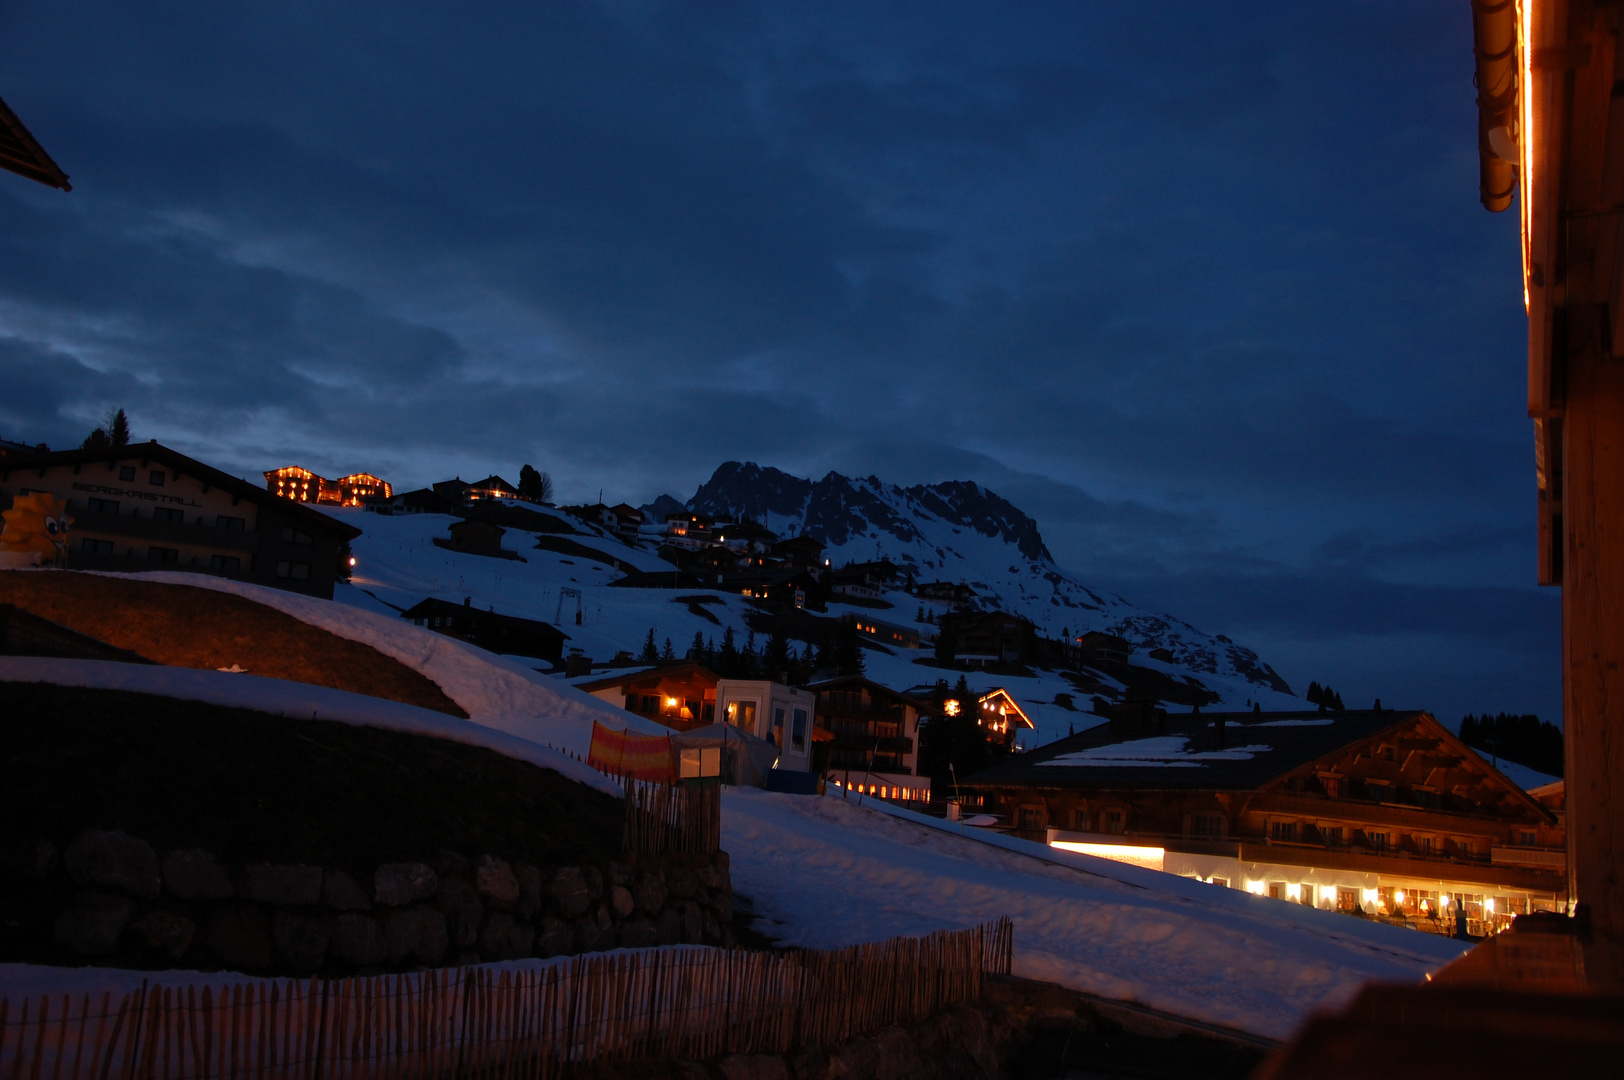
{"x": 495, "y": 692}
{"x": 1521, "y": 775}
{"x": 824, "y": 873}
{"x": 399, "y": 565}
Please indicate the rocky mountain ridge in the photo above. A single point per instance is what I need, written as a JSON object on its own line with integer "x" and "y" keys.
{"x": 960, "y": 531}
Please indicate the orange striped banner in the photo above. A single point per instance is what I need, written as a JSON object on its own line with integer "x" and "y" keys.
{"x": 641, "y": 757}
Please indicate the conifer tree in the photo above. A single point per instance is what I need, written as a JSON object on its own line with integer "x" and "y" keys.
{"x": 651, "y": 652}
{"x": 848, "y": 649}
{"x": 696, "y": 651}
{"x": 118, "y": 428}
{"x": 669, "y": 653}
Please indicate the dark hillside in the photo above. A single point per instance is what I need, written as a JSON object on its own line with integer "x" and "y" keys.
{"x": 258, "y": 788}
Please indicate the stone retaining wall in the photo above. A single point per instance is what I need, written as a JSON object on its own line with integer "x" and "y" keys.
{"x": 113, "y": 899}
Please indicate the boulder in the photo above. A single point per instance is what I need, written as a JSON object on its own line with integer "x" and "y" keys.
{"x": 590, "y": 937}
{"x": 113, "y": 860}
{"x": 693, "y": 922}
{"x": 496, "y": 882}
{"x": 359, "y": 940}
{"x": 708, "y": 876}
{"x": 301, "y": 941}
{"x": 92, "y": 924}
{"x": 463, "y": 911}
{"x": 166, "y": 933}
{"x": 194, "y": 874}
{"x": 557, "y": 937}
{"x": 621, "y": 902}
{"x": 415, "y": 934}
{"x": 753, "y": 1067}
{"x": 449, "y": 862}
{"x": 402, "y": 883}
{"x": 621, "y": 874}
{"x": 529, "y": 892}
{"x": 650, "y": 892}
{"x": 594, "y": 881}
{"x": 638, "y": 933}
{"x": 682, "y": 882}
{"x": 713, "y": 931}
{"x": 505, "y": 938}
{"x": 282, "y": 885}
{"x": 239, "y": 936}
{"x": 341, "y": 892}
{"x": 569, "y": 891}
{"x": 669, "y": 926}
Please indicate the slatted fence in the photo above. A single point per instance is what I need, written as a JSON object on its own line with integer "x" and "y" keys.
{"x": 662, "y": 818}
{"x": 505, "y": 1024}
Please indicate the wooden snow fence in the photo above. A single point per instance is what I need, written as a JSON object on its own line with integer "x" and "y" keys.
{"x": 664, "y": 818}
{"x": 683, "y": 1003}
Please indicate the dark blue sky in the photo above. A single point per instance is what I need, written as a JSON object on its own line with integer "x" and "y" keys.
{"x": 1206, "y": 290}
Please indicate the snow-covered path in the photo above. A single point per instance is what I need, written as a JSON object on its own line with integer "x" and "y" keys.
{"x": 828, "y": 873}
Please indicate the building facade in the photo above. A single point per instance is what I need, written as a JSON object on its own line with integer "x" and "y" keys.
{"x": 144, "y": 506}
{"x": 875, "y": 738}
{"x": 1383, "y": 811}
{"x": 490, "y": 630}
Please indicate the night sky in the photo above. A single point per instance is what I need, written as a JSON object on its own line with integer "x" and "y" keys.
{"x": 1206, "y": 289}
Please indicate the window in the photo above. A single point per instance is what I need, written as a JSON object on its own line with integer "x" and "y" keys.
{"x": 1527, "y": 839}
{"x": 742, "y": 714}
{"x": 1206, "y": 825}
{"x": 157, "y": 478}
{"x": 1031, "y": 818}
{"x": 1332, "y": 834}
{"x": 1111, "y": 821}
{"x": 1277, "y": 890}
{"x": 1379, "y": 841}
{"x": 126, "y": 473}
{"x": 1079, "y": 820}
{"x": 235, "y": 524}
{"x": 1283, "y": 832}
{"x": 798, "y": 732}
{"x": 1423, "y": 845}
{"x": 295, "y": 571}
{"x": 225, "y": 562}
{"x": 291, "y": 535}
{"x": 102, "y": 506}
{"x": 168, "y": 513}
{"x": 1332, "y": 786}
{"x": 163, "y": 554}
{"x": 96, "y": 547}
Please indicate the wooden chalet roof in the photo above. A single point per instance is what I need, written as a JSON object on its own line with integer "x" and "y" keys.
{"x": 22, "y": 154}
{"x": 652, "y": 676}
{"x": 878, "y": 690}
{"x": 1187, "y": 755}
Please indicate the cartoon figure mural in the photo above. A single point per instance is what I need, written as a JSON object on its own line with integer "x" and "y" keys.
{"x": 36, "y": 531}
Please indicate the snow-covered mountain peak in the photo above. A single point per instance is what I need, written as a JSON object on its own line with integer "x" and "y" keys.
{"x": 959, "y": 531}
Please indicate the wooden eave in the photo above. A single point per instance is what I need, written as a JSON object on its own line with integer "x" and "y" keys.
{"x": 22, "y": 154}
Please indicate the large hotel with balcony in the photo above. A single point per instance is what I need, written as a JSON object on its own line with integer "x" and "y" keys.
{"x": 1383, "y": 812}
{"x": 146, "y": 507}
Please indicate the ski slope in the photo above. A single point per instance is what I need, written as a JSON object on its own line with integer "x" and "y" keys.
{"x": 826, "y": 872}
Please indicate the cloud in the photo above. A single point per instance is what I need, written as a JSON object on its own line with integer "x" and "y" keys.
{"x": 1206, "y": 292}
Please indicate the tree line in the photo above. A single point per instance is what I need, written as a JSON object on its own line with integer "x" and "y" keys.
{"x": 1524, "y": 739}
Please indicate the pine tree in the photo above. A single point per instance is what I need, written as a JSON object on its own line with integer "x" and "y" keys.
{"x": 727, "y": 661}
{"x": 96, "y": 440}
{"x": 651, "y": 652}
{"x": 826, "y": 654}
{"x": 535, "y": 486}
{"x": 848, "y": 649}
{"x": 775, "y": 657}
{"x": 118, "y": 428}
{"x": 669, "y": 653}
{"x": 696, "y": 651}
